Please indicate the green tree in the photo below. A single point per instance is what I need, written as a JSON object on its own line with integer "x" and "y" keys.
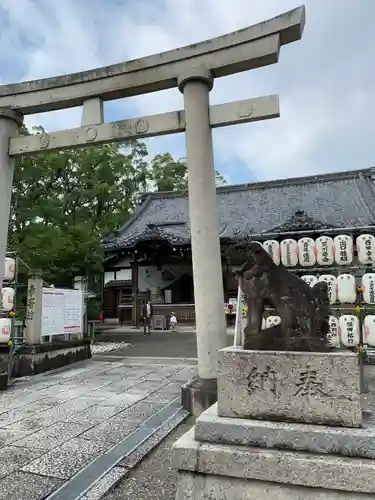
{"x": 169, "y": 174}
{"x": 64, "y": 201}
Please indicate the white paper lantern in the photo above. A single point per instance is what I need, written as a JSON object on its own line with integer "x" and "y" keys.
{"x": 349, "y": 330}
{"x": 5, "y": 330}
{"x": 343, "y": 249}
{"x": 368, "y": 285}
{"x": 324, "y": 251}
{"x": 306, "y": 252}
{"x": 289, "y": 253}
{"x": 366, "y": 248}
{"x": 263, "y": 323}
{"x": 369, "y": 330}
{"x": 272, "y": 247}
{"x": 346, "y": 289}
{"x": 7, "y": 298}
{"x": 272, "y": 321}
{"x": 10, "y": 269}
{"x": 333, "y": 333}
{"x": 310, "y": 279}
{"x": 332, "y": 286}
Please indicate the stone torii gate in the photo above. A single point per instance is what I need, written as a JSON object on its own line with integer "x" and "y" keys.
{"x": 192, "y": 69}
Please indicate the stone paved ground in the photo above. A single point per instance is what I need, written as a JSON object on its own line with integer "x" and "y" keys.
{"x": 159, "y": 344}
{"x": 154, "y": 477}
{"x": 53, "y": 425}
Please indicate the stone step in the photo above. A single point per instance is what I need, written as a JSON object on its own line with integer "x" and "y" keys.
{"x": 328, "y": 476}
{"x": 320, "y": 439}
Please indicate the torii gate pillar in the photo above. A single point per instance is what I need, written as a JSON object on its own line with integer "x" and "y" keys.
{"x": 10, "y": 121}
{"x": 200, "y": 393}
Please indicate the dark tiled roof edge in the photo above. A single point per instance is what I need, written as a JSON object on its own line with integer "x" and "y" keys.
{"x": 368, "y": 173}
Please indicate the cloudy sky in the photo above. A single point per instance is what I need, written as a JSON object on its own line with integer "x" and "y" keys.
{"x": 326, "y": 81}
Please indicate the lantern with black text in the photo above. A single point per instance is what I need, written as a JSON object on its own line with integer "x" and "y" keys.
{"x": 366, "y": 249}
{"x": 331, "y": 281}
{"x": 289, "y": 253}
{"x": 324, "y": 251}
{"x": 272, "y": 247}
{"x": 343, "y": 249}
{"x": 306, "y": 252}
{"x": 368, "y": 288}
{"x": 349, "y": 330}
{"x": 333, "y": 333}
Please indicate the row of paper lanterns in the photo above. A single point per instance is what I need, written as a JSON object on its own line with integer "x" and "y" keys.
{"x": 324, "y": 251}
{"x": 7, "y": 300}
{"x": 343, "y": 288}
{"x": 343, "y": 331}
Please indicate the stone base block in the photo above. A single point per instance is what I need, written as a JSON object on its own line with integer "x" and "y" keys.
{"x": 314, "y": 388}
{"x": 3, "y": 381}
{"x": 321, "y": 439}
{"x": 198, "y": 395}
{"x": 34, "y": 359}
{"x": 192, "y": 486}
{"x": 252, "y": 470}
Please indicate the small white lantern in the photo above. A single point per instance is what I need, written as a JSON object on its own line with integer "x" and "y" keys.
{"x": 310, "y": 279}
{"x": 349, "y": 330}
{"x": 346, "y": 289}
{"x": 5, "y": 330}
{"x": 10, "y": 269}
{"x": 343, "y": 249}
{"x": 333, "y": 333}
{"x": 7, "y": 298}
{"x": 289, "y": 252}
{"x": 272, "y": 321}
{"x": 306, "y": 252}
{"x": 369, "y": 330}
{"x": 368, "y": 285}
{"x": 366, "y": 249}
{"x": 331, "y": 281}
{"x": 272, "y": 247}
{"x": 324, "y": 251}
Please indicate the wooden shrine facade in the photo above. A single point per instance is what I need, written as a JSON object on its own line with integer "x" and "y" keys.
{"x": 149, "y": 257}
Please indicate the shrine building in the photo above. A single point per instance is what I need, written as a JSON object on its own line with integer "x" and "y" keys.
{"x": 309, "y": 224}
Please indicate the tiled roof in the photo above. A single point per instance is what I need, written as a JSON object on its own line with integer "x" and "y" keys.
{"x": 115, "y": 283}
{"x": 345, "y": 199}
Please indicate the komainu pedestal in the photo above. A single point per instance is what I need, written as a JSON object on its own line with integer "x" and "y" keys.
{"x": 287, "y": 426}
{"x": 317, "y": 388}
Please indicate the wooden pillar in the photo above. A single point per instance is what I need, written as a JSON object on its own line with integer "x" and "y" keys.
{"x": 135, "y": 312}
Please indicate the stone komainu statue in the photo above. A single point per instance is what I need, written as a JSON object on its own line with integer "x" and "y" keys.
{"x": 304, "y": 310}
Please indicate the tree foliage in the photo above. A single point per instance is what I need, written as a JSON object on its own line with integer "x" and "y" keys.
{"x": 64, "y": 202}
{"x": 169, "y": 174}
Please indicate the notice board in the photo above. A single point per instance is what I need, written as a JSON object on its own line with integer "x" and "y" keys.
{"x": 62, "y": 311}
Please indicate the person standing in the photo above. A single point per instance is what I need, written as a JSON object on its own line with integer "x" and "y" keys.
{"x": 147, "y": 312}
{"x": 173, "y": 322}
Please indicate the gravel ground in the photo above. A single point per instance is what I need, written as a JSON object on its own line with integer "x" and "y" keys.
{"x": 104, "y": 347}
{"x": 154, "y": 477}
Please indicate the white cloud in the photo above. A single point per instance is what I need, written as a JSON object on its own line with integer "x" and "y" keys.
{"x": 325, "y": 81}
